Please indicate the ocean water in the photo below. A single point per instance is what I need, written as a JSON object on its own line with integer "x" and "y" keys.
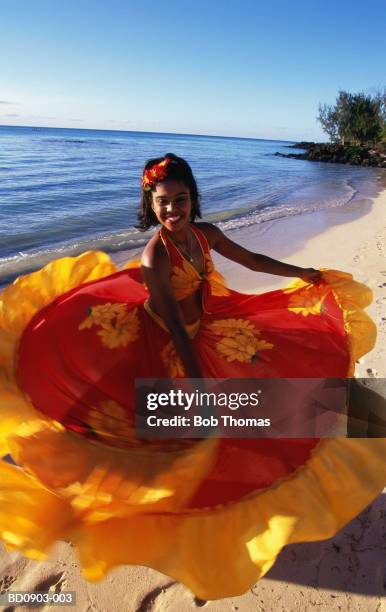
{"x": 64, "y": 191}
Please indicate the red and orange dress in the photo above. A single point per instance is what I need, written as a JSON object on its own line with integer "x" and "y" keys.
{"x": 213, "y": 514}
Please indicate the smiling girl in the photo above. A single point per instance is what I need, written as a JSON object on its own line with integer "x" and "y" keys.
{"x": 211, "y": 513}
{"x": 170, "y": 198}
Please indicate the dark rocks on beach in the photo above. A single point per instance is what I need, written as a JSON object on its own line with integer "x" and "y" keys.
{"x": 304, "y": 144}
{"x": 339, "y": 154}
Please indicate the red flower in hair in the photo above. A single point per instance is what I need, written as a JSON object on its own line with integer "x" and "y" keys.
{"x": 156, "y": 173}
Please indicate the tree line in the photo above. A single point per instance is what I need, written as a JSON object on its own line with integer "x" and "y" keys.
{"x": 355, "y": 118}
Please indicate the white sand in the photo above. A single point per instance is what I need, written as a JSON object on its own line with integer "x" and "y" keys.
{"x": 344, "y": 573}
{"x": 351, "y": 239}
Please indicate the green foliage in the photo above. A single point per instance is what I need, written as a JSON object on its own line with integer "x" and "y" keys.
{"x": 329, "y": 121}
{"x": 355, "y": 118}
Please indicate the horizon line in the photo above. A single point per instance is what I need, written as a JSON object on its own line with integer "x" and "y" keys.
{"x": 45, "y": 127}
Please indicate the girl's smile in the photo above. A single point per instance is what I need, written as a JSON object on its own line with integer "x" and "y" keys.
{"x": 172, "y": 205}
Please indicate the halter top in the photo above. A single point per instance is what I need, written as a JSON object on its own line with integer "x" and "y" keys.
{"x": 184, "y": 277}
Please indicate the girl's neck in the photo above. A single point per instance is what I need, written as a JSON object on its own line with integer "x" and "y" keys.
{"x": 181, "y": 236}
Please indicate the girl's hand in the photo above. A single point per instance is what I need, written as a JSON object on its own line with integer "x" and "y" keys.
{"x": 310, "y": 275}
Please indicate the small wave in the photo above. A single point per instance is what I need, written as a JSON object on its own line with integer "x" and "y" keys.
{"x": 113, "y": 242}
{"x": 270, "y": 213}
{"x": 132, "y": 239}
{"x": 79, "y": 141}
{"x": 71, "y": 140}
{"x": 28, "y": 261}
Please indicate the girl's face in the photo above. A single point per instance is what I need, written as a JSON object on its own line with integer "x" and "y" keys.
{"x": 172, "y": 205}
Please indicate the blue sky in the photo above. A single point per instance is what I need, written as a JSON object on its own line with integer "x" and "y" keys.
{"x": 227, "y": 67}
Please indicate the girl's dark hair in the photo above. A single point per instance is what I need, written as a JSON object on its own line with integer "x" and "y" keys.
{"x": 178, "y": 170}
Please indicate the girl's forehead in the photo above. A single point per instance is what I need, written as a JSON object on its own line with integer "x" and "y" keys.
{"x": 170, "y": 188}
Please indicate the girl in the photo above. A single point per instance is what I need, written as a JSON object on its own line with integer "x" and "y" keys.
{"x": 173, "y": 203}
{"x": 211, "y": 513}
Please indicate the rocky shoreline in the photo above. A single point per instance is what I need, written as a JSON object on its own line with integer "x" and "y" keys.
{"x": 354, "y": 155}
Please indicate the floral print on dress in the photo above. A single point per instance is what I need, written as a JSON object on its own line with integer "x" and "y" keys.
{"x": 171, "y": 361}
{"x": 110, "y": 418}
{"x": 119, "y": 327}
{"x": 183, "y": 280}
{"x": 113, "y": 425}
{"x": 239, "y": 341}
{"x": 215, "y": 279}
{"x": 309, "y": 301}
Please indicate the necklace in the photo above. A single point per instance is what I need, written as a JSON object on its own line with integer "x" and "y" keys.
{"x": 187, "y": 249}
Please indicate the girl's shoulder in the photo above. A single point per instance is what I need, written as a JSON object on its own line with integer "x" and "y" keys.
{"x": 210, "y": 231}
{"x": 155, "y": 252}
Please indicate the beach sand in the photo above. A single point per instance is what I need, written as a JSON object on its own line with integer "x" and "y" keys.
{"x": 343, "y": 573}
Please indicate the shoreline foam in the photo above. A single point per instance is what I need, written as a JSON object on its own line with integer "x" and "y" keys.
{"x": 301, "y": 200}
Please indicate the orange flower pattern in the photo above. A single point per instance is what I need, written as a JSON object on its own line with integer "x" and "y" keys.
{"x": 239, "y": 340}
{"x": 119, "y": 327}
{"x": 114, "y": 426}
{"x": 216, "y": 280}
{"x": 110, "y": 419}
{"x": 171, "y": 361}
{"x": 309, "y": 301}
{"x": 184, "y": 280}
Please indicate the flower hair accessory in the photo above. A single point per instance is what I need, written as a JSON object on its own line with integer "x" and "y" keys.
{"x": 155, "y": 173}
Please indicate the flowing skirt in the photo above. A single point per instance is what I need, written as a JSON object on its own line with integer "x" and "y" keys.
{"x": 213, "y": 514}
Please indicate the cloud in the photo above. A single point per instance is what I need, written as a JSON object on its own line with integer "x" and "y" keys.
{"x": 42, "y": 117}
{"x": 7, "y": 102}
{"x": 11, "y": 115}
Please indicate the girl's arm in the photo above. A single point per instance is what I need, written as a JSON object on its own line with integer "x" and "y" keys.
{"x": 156, "y": 275}
{"x": 254, "y": 261}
